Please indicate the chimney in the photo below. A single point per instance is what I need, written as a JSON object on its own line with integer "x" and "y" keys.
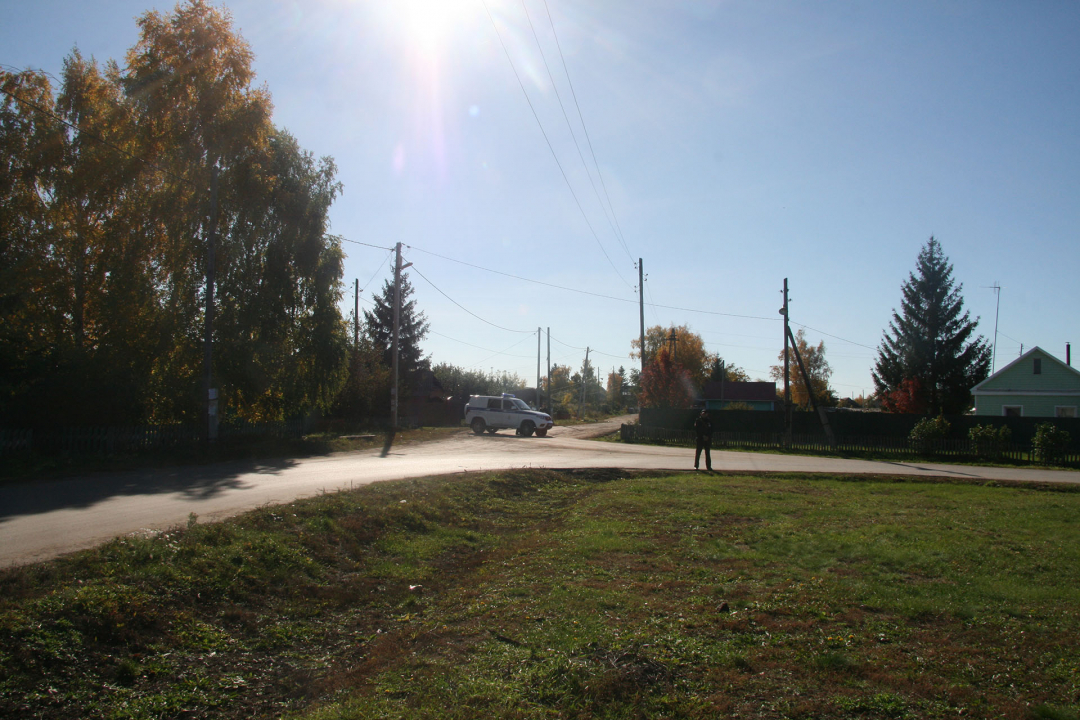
{"x": 1068, "y": 354}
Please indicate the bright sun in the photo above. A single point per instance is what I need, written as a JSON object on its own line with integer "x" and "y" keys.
{"x": 431, "y": 22}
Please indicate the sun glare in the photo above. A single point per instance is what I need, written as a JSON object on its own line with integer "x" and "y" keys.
{"x": 430, "y": 23}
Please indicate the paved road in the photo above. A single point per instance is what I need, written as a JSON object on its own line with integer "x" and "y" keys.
{"x": 42, "y": 521}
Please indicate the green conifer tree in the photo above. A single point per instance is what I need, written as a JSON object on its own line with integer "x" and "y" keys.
{"x": 930, "y": 344}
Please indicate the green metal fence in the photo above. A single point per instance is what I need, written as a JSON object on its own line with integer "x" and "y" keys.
{"x": 962, "y": 450}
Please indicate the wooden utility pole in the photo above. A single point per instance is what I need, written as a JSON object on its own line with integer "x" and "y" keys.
{"x": 210, "y": 394}
{"x": 787, "y": 365}
{"x": 550, "y": 407}
{"x": 584, "y": 381}
{"x": 539, "y": 334}
{"x": 810, "y": 391}
{"x": 398, "y": 267}
{"x": 641, "y": 310}
{"x": 356, "y": 317}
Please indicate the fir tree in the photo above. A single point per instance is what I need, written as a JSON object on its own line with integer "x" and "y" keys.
{"x": 929, "y": 359}
{"x": 413, "y": 328}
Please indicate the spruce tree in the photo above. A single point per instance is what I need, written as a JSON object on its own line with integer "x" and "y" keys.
{"x": 929, "y": 360}
{"x": 413, "y": 328}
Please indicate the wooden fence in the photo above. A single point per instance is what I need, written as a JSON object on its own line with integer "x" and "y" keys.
{"x": 952, "y": 449}
{"x": 131, "y": 440}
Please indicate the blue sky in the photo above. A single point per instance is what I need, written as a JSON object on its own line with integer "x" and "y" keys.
{"x": 739, "y": 143}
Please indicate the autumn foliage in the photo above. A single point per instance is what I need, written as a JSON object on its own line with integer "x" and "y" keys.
{"x": 665, "y": 383}
{"x": 908, "y": 398}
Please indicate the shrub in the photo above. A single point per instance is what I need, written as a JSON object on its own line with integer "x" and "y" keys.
{"x": 1049, "y": 443}
{"x": 989, "y": 441}
{"x": 927, "y": 433}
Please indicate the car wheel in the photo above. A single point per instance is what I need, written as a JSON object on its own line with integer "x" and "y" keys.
{"x": 478, "y": 426}
{"x": 527, "y": 428}
{"x": 541, "y": 433}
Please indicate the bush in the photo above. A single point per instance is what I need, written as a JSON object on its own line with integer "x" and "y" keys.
{"x": 989, "y": 441}
{"x": 927, "y": 432}
{"x": 1049, "y": 443}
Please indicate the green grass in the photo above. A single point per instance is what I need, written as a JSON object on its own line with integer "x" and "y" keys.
{"x": 588, "y": 594}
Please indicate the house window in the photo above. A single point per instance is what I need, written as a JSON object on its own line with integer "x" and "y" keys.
{"x": 1012, "y": 410}
{"x": 1038, "y": 366}
{"x": 1065, "y": 411}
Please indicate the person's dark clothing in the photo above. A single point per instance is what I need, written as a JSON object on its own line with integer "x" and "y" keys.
{"x": 703, "y": 428}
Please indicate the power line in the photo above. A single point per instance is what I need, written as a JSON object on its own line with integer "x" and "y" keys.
{"x": 466, "y": 309}
{"x": 573, "y": 135}
{"x": 587, "y": 292}
{"x": 377, "y": 247}
{"x": 527, "y": 357}
{"x": 380, "y": 267}
{"x": 519, "y": 277}
{"x": 835, "y": 337}
{"x": 591, "y": 349}
{"x": 584, "y": 127}
{"x": 550, "y": 147}
{"x": 481, "y": 362}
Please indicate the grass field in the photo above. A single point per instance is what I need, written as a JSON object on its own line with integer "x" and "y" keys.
{"x": 592, "y": 594}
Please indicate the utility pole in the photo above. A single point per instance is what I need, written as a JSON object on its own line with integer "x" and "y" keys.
{"x": 538, "y": 335}
{"x": 550, "y": 408}
{"x": 398, "y": 267}
{"x": 787, "y": 365}
{"x": 356, "y": 317}
{"x": 641, "y": 310}
{"x": 210, "y": 392}
{"x": 673, "y": 347}
{"x": 584, "y": 381}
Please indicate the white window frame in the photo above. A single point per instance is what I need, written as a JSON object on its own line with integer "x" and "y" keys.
{"x": 1005, "y": 408}
{"x": 1065, "y": 407}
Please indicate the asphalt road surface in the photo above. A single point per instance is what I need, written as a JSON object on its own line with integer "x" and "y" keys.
{"x": 43, "y": 520}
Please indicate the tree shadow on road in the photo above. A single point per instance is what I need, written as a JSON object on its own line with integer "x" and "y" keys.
{"x": 194, "y": 482}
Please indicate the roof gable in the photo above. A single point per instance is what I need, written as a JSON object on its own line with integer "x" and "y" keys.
{"x": 1019, "y": 375}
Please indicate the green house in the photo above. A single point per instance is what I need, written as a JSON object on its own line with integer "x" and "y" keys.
{"x": 1036, "y": 384}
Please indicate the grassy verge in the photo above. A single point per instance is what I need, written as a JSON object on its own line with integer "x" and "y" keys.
{"x": 536, "y": 594}
{"x": 22, "y": 468}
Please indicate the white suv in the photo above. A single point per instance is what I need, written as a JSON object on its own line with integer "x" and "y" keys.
{"x": 493, "y": 413}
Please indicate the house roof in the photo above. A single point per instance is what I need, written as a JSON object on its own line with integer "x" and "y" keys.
{"x": 740, "y": 391}
{"x": 986, "y": 386}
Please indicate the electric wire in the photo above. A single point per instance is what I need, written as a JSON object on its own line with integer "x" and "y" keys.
{"x": 573, "y": 135}
{"x": 377, "y": 247}
{"x": 835, "y": 337}
{"x": 590, "y": 349}
{"x": 500, "y": 327}
{"x": 519, "y": 277}
{"x": 550, "y": 146}
{"x": 379, "y": 268}
{"x": 584, "y": 127}
{"x": 504, "y": 352}
{"x": 478, "y": 347}
{"x": 587, "y": 292}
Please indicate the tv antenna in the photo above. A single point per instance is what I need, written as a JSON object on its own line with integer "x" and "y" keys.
{"x": 997, "y": 309}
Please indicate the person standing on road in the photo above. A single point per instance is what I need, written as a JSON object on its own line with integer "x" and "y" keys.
{"x": 703, "y": 429}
